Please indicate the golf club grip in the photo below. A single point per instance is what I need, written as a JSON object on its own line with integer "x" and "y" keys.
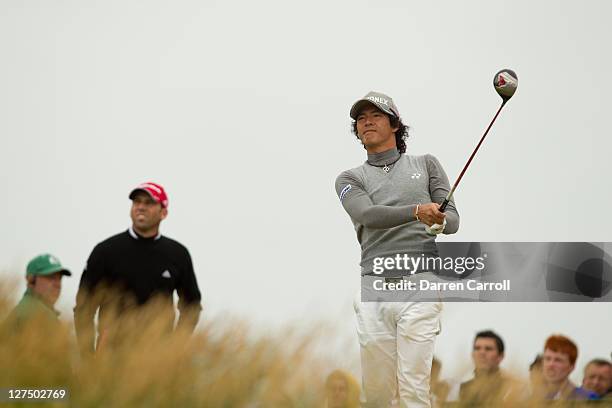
{"x": 443, "y": 206}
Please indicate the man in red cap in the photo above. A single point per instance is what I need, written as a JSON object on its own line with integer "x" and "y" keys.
{"x": 132, "y": 269}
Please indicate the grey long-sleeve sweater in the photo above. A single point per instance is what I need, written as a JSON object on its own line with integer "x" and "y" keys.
{"x": 381, "y": 205}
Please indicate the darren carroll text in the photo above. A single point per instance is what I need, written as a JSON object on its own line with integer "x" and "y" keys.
{"x": 423, "y": 284}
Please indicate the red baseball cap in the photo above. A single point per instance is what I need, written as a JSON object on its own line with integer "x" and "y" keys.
{"x": 156, "y": 192}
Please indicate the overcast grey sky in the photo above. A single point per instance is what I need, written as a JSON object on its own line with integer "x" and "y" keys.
{"x": 240, "y": 109}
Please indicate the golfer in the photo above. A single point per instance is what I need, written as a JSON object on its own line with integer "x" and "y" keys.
{"x": 391, "y": 199}
{"x": 134, "y": 269}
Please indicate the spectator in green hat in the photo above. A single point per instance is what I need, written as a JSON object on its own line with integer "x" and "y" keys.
{"x": 44, "y": 276}
{"x": 36, "y": 345}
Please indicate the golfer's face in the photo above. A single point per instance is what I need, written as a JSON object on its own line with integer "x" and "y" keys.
{"x": 374, "y": 128}
{"x": 146, "y": 213}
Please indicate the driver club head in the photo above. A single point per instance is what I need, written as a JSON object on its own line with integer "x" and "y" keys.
{"x": 505, "y": 83}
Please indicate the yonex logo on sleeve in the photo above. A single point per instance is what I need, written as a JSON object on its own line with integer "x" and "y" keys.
{"x": 344, "y": 191}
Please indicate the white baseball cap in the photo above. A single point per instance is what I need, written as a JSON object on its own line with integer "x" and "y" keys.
{"x": 380, "y": 100}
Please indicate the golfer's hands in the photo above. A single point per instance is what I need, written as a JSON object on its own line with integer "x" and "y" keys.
{"x": 429, "y": 214}
{"x": 436, "y": 229}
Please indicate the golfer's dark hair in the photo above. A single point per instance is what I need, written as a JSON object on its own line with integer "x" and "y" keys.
{"x": 489, "y": 334}
{"x": 401, "y": 135}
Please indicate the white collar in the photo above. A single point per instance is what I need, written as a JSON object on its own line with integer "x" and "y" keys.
{"x": 135, "y": 235}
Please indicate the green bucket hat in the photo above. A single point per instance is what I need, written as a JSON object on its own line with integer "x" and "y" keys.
{"x": 46, "y": 264}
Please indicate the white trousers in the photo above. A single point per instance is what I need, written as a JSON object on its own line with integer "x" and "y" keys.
{"x": 397, "y": 343}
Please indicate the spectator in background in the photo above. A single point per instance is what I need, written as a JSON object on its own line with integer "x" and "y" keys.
{"x": 536, "y": 379}
{"x": 341, "y": 390}
{"x": 597, "y": 377}
{"x": 439, "y": 389}
{"x": 490, "y": 386}
{"x": 44, "y": 276}
{"x": 34, "y": 344}
{"x": 558, "y": 361}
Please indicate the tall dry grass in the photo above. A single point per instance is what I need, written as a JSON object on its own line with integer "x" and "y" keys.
{"x": 223, "y": 364}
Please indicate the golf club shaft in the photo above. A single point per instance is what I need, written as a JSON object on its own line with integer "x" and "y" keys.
{"x": 450, "y": 194}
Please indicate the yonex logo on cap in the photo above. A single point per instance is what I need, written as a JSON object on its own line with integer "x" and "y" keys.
{"x": 378, "y": 99}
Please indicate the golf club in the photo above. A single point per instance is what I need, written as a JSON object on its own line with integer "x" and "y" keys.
{"x": 505, "y": 83}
